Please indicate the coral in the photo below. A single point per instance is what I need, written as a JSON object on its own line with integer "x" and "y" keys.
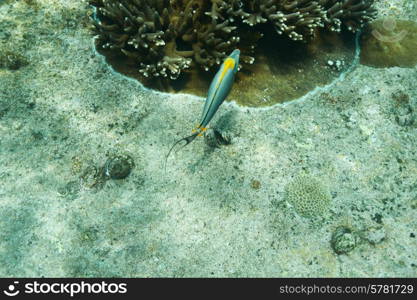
{"x": 343, "y": 240}
{"x": 308, "y": 196}
{"x": 390, "y": 43}
{"x": 167, "y": 37}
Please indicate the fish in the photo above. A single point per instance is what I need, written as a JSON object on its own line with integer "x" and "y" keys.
{"x": 219, "y": 89}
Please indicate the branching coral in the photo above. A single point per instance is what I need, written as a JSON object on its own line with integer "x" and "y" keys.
{"x": 166, "y": 37}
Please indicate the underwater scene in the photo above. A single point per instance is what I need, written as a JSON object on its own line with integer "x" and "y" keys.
{"x": 208, "y": 138}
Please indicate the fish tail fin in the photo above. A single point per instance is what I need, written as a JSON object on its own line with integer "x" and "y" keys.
{"x": 187, "y": 139}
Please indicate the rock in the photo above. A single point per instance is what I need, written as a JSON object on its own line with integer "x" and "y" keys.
{"x": 215, "y": 138}
{"x": 343, "y": 240}
{"x": 118, "y": 167}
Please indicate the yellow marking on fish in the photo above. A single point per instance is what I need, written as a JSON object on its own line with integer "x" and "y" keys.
{"x": 199, "y": 128}
{"x": 229, "y": 64}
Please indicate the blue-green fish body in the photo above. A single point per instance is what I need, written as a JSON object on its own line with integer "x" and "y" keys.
{"x": 219, "y": 89}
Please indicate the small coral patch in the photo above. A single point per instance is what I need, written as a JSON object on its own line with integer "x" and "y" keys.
{"x": 308, "y": 196}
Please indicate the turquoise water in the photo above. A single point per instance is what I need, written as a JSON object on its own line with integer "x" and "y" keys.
{"x": 320, "y": 186}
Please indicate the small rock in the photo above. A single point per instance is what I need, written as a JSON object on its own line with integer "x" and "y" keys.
{"x": 12, "y": 61}
{"x": 215, "y": 138}
{"x": 255, "y": 184}
{"x": 118, "y": 167}
{"x": 405, "y": 115}
{"x": 375, "y": 235}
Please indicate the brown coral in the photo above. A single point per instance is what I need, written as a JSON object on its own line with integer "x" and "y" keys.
{"x": 166, "y": 37}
